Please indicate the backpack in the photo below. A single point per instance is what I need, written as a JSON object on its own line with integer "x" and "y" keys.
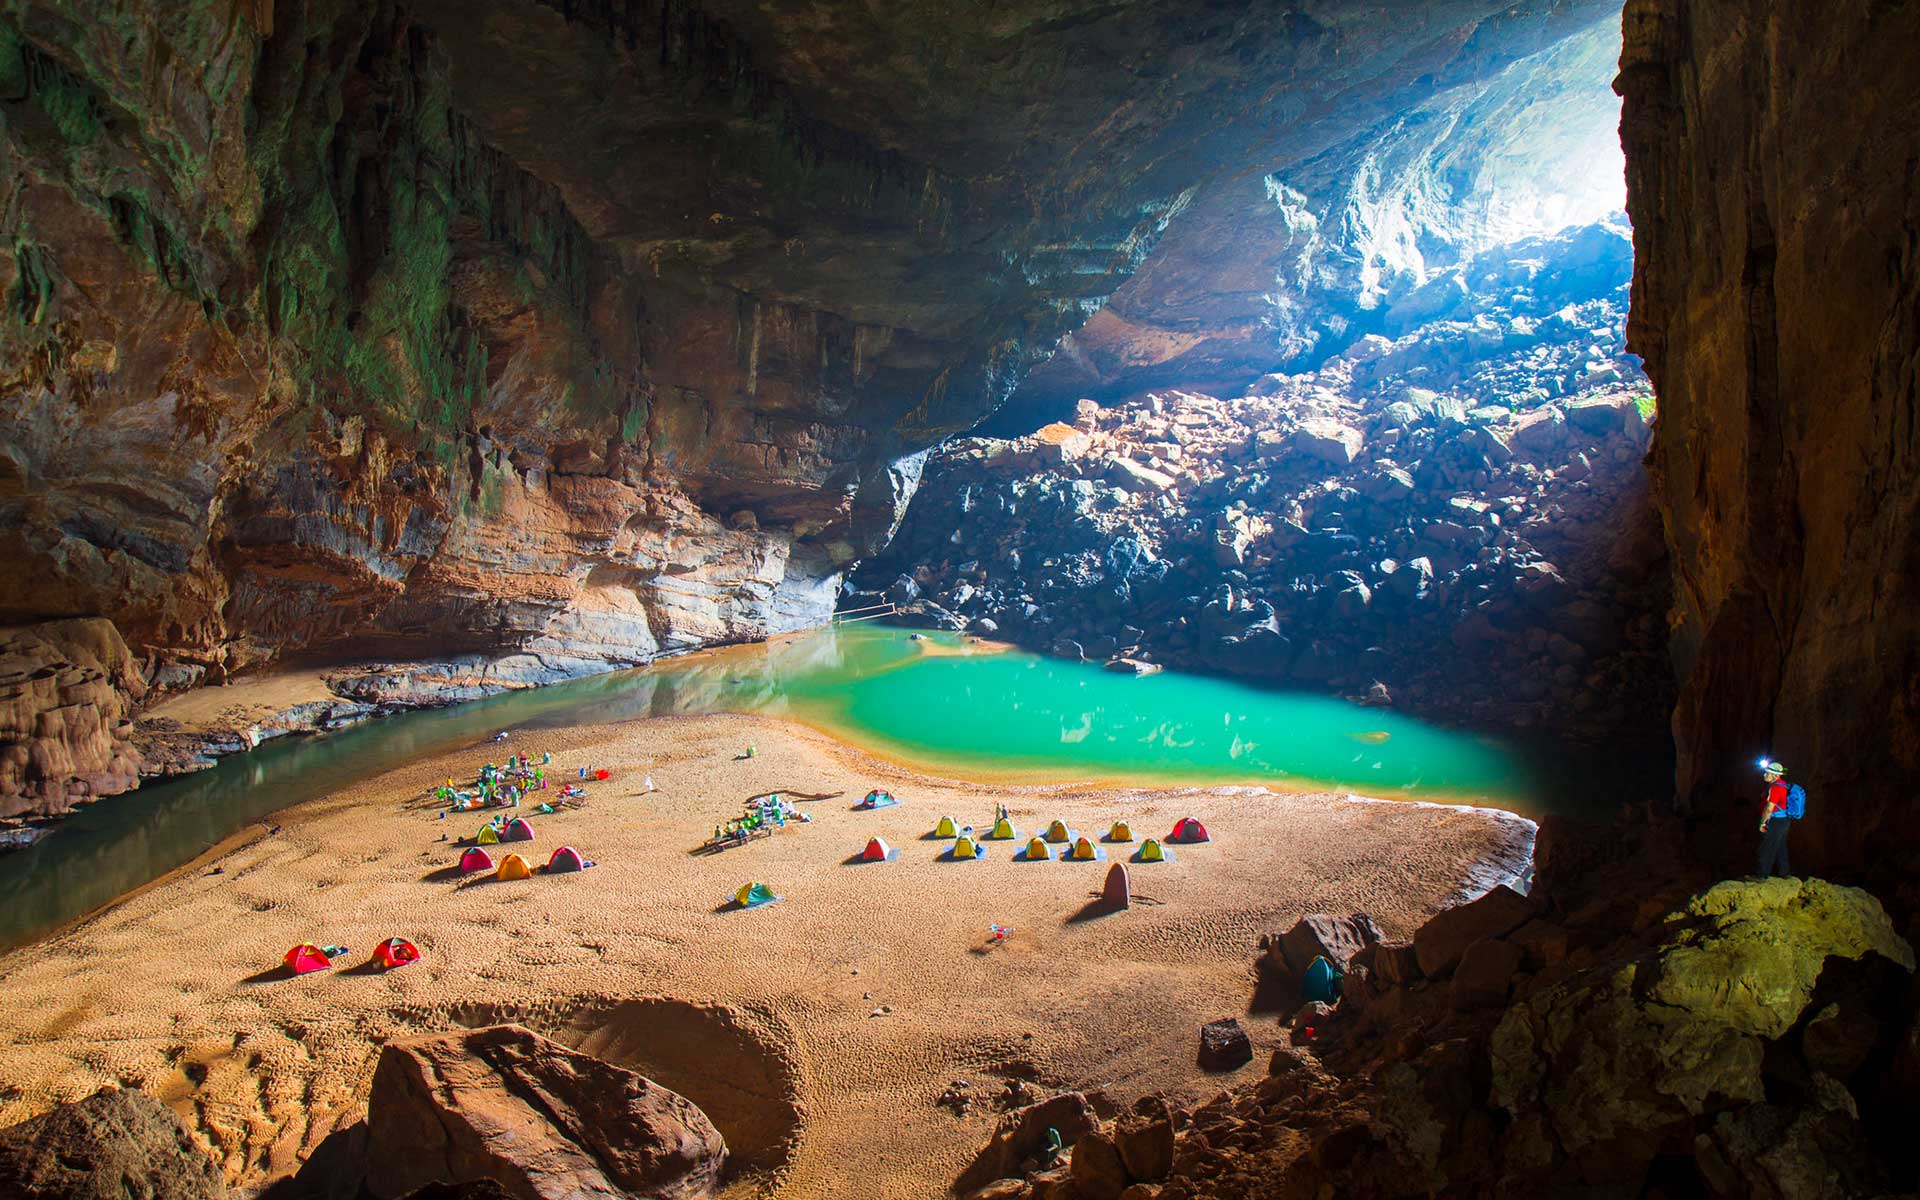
{"x": 1796, "y": 802}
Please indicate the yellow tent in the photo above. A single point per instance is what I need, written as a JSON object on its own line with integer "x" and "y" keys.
{"x": 966, "y": 848}
{"x": 513, "y": 867}
{"x": 753, "y": 895}
{"x": 1058, "y": 832}
{"x": 1002, "y": 830}
{"x": 1151, "y": 851}
{"x": 945, "y": 828}
{"x": 489, "y": 836}
{"x": 1121, "y": 832}
{"x": 1083, "y": 850}
{"x": 1037, "y": 849}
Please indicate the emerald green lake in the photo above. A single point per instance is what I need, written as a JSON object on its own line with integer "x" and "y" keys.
{"x": 931, "y": 701}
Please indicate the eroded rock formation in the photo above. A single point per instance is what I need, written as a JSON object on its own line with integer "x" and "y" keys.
{"x": 1777, "y": 303}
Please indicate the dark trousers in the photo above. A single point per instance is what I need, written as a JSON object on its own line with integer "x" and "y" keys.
{"x": 1773, "y": 849}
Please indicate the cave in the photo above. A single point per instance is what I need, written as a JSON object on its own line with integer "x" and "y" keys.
{"x": 1415, "y": 497}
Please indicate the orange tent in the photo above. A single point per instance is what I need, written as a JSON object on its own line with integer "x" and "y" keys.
{"x": 395, "y": 952}
{"x": 513, "y": 867}
{"x": 304, "y": 958}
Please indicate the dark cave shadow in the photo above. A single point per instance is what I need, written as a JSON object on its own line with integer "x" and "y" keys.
{"x": 1273, "y": 995}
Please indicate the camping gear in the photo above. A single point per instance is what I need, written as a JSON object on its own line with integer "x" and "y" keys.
{"x": 1121, "y": 832}
{"x": 945, "y": 829}
{"x": 1321, "y": 981}
{"x": 1085, "y": 851}
{"x": 1058, "y": 832}
{"x": 1188, "y": 830}
{"x": 1116, "y": 893}
{"x": 1036, "y": 850}
{"x": 513, "y": 867}
{"x": 876, "y": 799}
{"x": 753, "y": 895}
{"x": 603, "y": 774}
{"x": 395, "y": 952}
{"x": 517, "y": 830}
{"x": 1002, "y": 831}
{"x": 304, "y": 958}
{"x": 1152, "y": 851}
{"x": 965, "y": 849}
{"x": 878, "y": 851}
{"x": 566, "y": 859}
{"x": 489, "y": 835}
{"x": 475, "y": 860}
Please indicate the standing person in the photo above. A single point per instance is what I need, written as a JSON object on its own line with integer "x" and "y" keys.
{"x": 1776, "y": 820}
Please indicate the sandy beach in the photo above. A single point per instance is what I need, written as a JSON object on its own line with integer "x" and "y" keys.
{"x": 817, "y": 1032}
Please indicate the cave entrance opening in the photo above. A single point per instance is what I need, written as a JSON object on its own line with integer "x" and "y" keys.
{"x": 1364, "y": 423}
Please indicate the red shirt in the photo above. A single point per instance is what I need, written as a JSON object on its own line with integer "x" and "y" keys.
{"x": 1776, "y": 800}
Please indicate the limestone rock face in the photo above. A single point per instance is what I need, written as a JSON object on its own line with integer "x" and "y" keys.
{"x": 110, "y": 1146}
{"x": 67, "y": 690}
{"x": 545, "y": 1122}
{"x": 1601, "y": 1065}
{"x": 1786, "y": 463}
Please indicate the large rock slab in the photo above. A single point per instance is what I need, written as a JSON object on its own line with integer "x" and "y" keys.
{"x": 545, "y": 1122}
{"x": 114, "y": 1145}
{"x": 1445, "y": 937}
{"x": 1021, "y": 1135}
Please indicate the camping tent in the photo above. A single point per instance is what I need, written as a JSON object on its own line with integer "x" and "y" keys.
{"x": 395, "y": 952}
{"x": 475, "y": 859}
{"x": 517, "y": 830}
{"x": 513, "y": 867}
{"x": 877, "y": 799}
{"x": 304, "y": 958}
{"x": 753, "y": 895}
{"x": 945, "y": 829}
{"x": 1058, "y": 832}
{"x": 1152, "y": 851}
{"x": 1037, "y": 851}
{"x": 878, "y": 851}
{"x": 1189, "y": 829}
{"x": 965, "y": 849}
{"x": 565, "y": 859}
{"x": 488, "y": 836}
{"x": 1321, "y": 981}
{"x": 1085, "y": 851}
{"x": 1003, "y": 831}
{"x": 1121, "y": 832}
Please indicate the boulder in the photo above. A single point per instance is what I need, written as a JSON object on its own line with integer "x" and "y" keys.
{"x": 506, "y": 1104}
{"x": 1023, "y": 1132}
{"x": 1539, "y": 432}
{"x": 1137, "y": 478}
{"x": 114, "y": 1145}
{"x": 1057, "y": 444}
{"x": 1329, "y": 440}
{"x": 1224, "y": 1045}
{"x": 1601, "y": 416}
{"x": 1485, "y": 974}
{"x": 1096, "y": 1170}
{"x": 1439, "y": 943}
{"x": 1146, "y": 1139}
{"x": 1317, "y": 934}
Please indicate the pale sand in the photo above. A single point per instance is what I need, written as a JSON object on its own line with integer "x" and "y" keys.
{"x": 777, "y": 1041}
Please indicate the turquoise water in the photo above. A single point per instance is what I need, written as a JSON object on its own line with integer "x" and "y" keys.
{"x": 936, "y": 703}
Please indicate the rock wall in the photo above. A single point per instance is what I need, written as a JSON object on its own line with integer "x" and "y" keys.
{"x": 66, "y": 695}
{"x": 1770, "y": 162}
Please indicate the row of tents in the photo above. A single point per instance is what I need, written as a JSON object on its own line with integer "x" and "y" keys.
{"x": 966, "y": 849}
{"x": 563, "y": 860}
{"x": 394, "y": 952}
{"x": 1186, "y": 831}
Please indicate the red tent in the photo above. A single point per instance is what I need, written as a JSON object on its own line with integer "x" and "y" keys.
{"x": 878, "y": 851}
{"x": 517, "y": 830}
{"x": 475, "y": 859}
{"x": 566, "y": 858}
{"x": 304, "y": 958}
{"x": 395, "y": 952}
{"x": 1189, "y": 829}
{"x": 603, "y": 773}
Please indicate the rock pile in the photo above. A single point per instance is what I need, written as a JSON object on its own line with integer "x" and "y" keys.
{"x": 1748, "y": 1039}
{"x": 1457, "y": 516}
